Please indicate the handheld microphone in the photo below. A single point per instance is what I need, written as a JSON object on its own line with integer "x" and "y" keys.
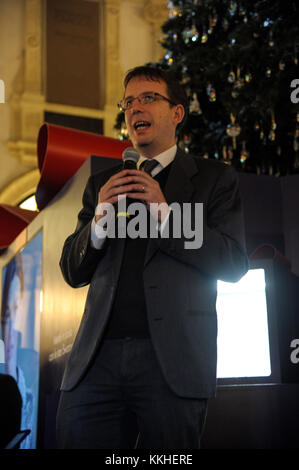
{"x": 130, "y": 158}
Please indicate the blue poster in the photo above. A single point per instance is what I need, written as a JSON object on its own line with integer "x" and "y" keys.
{"x": 20, "y": 330}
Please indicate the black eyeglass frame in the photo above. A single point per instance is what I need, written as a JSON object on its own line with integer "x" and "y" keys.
{"x": 153, "y": 94}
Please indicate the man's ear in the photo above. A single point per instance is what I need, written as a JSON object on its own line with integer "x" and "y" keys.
{"x": 179, "y": 113}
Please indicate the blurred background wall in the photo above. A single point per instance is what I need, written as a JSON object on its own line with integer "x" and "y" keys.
{"x": 63, "y": 61}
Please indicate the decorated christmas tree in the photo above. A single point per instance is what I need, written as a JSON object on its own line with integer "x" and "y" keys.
{"x": 238, "y": 60}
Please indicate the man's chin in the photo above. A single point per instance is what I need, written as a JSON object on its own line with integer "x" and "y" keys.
{"x": 143, "y": 144}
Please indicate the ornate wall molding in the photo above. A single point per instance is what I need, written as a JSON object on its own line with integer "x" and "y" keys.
{"x": 28, "y": 103}
{"x": 113, "y": 77}
{"x": 20, "y": 188}
{"x": 27, "y": 106}
{"x": 156, "y": 13}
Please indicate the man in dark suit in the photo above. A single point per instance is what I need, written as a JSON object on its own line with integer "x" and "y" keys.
{"x": 144, "y": 359}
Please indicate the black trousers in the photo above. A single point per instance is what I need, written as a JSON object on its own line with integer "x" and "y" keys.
{"x": 124, "y": 402}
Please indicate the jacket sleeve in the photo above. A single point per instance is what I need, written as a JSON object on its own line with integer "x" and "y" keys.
{"x": 222, "y": 254}
{"x": 79, "y": 259}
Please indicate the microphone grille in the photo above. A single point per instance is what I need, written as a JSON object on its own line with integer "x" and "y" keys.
{"x": 130, "y": 154}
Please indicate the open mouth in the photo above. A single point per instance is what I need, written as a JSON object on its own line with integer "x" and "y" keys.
{"x": 141, "y": 125}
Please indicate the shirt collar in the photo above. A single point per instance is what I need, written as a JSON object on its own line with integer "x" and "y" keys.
{"x": 163, "y": 158}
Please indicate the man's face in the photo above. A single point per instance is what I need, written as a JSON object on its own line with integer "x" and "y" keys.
{"x": 160, "y": 118}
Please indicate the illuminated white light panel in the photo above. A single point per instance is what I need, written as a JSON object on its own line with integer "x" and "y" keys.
{"x": 29, "y": 204}
{"x": 243, "y": 337}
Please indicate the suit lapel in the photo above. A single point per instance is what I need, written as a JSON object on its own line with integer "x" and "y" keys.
{"x": 179, "y": 188}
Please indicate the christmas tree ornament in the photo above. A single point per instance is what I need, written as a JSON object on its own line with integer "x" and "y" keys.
{"x": 187, "y": 33}
{"x": 225, "y": 24}
{"x": 281, "y": 65}
{"x": 194, "y": 107}
{"x": 173, "y": 11}
{"x": 248, "y": 77}
{"x": 185, "y": 80}
{"x": 214, "y": 19}
{"x": 194, "y": 34}
{"x": 240, "y": 81}
{"x": 168, "y": 57}
{"x": 123, "y": 134}
{"x": 204, "y": 37}
{"x": 232, "y": 76}
{"x": 211, "y": 27}
{"x": 186, "y": 143}
{"x": 238, "y": 84}
{"x": 230, "y": 153}
{"x": 170, "y": 5}
{"x": 244, "y": 154}
{"x": 233, "y": 130}
{"x": 273, "y": 127}
{"x": 232, "y": 7}
{"x": 268, "y": 72}
{"x": 211, "y": 92}
{"x": 185, "y": 75}
{"x": 295, "y": 54}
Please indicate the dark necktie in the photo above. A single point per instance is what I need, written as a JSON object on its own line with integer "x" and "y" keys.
{"x": 148, "y": 165}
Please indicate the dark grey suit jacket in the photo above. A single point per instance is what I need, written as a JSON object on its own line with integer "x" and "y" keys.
{"x": 179, "y": 284}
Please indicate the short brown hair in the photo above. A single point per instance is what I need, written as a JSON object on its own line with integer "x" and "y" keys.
{"x": 176, "y": 91}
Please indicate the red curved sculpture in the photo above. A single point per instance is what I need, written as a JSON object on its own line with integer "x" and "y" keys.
{"x": 62, "y": 150}
{"x": 13, "y": 220}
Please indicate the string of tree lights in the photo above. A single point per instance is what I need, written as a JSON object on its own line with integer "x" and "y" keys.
{"x": 237, "y": 60}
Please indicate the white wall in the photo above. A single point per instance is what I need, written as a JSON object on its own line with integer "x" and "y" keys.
{"x": 11, "y": 50}
{"x": 136, "y": 37}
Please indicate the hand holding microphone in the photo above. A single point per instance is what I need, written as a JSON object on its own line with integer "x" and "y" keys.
{"x": 119, "y": 184}
{"x": 133, "y": 183}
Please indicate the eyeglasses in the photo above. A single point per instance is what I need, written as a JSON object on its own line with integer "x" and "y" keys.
{"x": 143, "y": 99}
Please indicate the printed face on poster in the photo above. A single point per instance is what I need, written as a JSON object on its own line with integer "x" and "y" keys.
{"x": 20, "y": 330}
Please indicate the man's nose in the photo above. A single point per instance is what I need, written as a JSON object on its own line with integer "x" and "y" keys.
{"x": 136, "y": 106}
